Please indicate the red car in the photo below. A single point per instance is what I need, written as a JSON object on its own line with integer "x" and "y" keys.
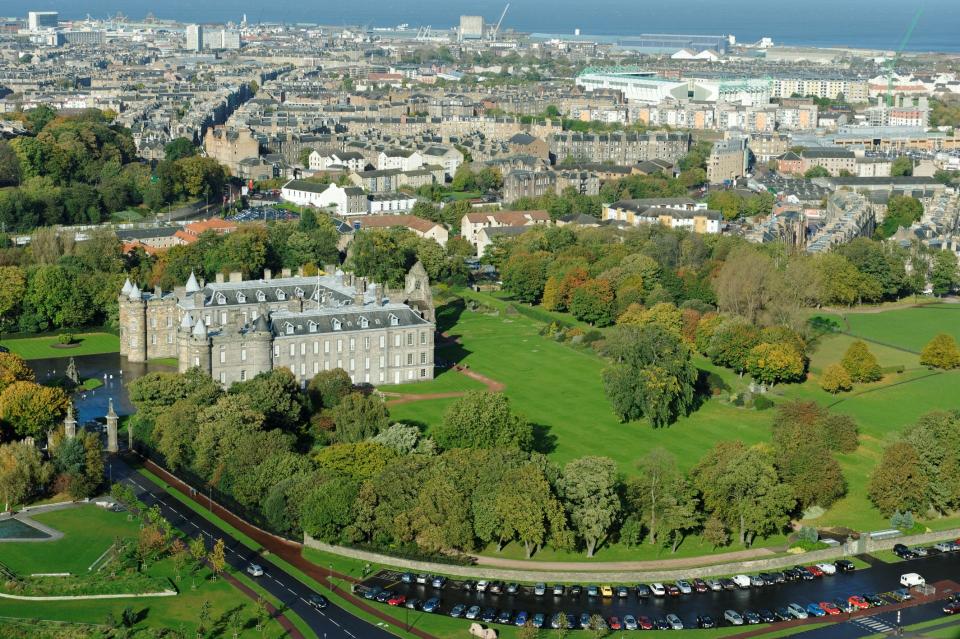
{"x": 644, "y": 623}
{"x": 830, "y": 608}
{"x": 673, "y": 590}
{"x": 700, "y": 585}
{"x": 952, "y": 608}
{"x": 816, "y": 572}
{"x": 397, "y": 600}
{"x": 858, "y": 602}
{"x": 614, "y": 623}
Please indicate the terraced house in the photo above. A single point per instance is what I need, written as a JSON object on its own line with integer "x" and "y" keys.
{"x": 234, "y": 329}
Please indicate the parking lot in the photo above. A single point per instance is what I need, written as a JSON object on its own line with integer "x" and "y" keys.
{"x": 753, "y": 603}
{"x": 264, "y": 214}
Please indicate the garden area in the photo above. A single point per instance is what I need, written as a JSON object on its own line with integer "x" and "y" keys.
{"x": 51, "y": 346}
{"x": 557, "y": 385}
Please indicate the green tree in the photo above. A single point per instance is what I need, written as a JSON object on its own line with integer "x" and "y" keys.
{"x": 651, "y": 374}
{"x": 657, "y": 477}
{"x": 483, "y": 420}
{"x": 31, "y": 410}
{"x": 836, "y": 379}
{"x": 359, "y": 417}
{"x": 903, "y": 165}
{"x": 943, "y": 273}
{"x": 328, "y": 509}
{"x": 198, "y": 551}
{"x": 23, "y": 473}
{"x": 305, "y": 155}
{"x": 592, "y": 302}
{"x": 276, "y": 394}
{"x": 860, "y": 363}
{"x": 383, "y": 255}
{"x": 681, "y": 515}
{"x": 902, "y": 211}
{"x": 897, "y": 482}
{"x": 525, "y": 275}
{"x": 731, "y": 344}
{"x": 327, "y": 388}
{"x": 940, "y": 352}
{"x": 9, "y": 165}
{"x": 816, "y": 172}
{"x": 727, "y": 202}
{"x": 589, "y": 487}
{"x": 178, "y": 149}
{"x": 777, "y": 362}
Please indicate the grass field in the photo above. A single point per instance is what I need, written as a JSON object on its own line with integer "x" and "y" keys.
{"x": 88, "y": 531}
{"x": 43, "y": 347}
{"x": 559, "y": 389}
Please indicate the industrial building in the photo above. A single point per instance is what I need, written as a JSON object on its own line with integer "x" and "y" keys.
{"x": 39, "y": 20}
{"x": 647, "y": 87}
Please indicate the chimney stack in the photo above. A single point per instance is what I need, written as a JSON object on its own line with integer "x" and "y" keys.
{"x": 267, "y": 274}
{"x": 219, "y": 278}
{"x": 236, "y": 277}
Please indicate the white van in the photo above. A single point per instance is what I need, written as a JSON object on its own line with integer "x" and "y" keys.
{"x": 742, "y": 581}
{"x": 911, "y": 579}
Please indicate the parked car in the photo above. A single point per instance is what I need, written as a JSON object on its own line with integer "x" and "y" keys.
{"x": 951, "y": 608}
{"x": 482, "y": 585}
{"x": 397, "y": 600}
{"x": 413, "y": 604}
{"x": 705, "y": 621}
{"x": 383, "y": 596}
{"x": 815, "y": 571}
{"x": 422, "y": 579}
{"x": 814, "y": 610}
{"x": 614, "y": 623}
{"x": 728, "y": 584}
{"x": 733, "y": 618}
{"x": 538, "y": 619}
{"x": 495, "y": 587}
{"x": 911, "y": 579}
{"x": 643, "y": 590}
{"x": 472, "y": 612}
{"x": 858, "y": 602}
{"x": 645, "y": 623}
{"x": 431, "y": 605}
{"x": 797, "y": 611}
{"x": 593, "y": 591}
{"x": 804, "y": 573}
{"x": 901, "y": 594}
{"x": 457, "y": 611}
{"x": 844, "y": 565}
{"x": 540, "y": 590}
{"x": 584, "y": 620}
{"x": 685, "y": 587}
{"x": 521, "y": 618}
{"x": 844, "y": 604}
{"x": 438, "y": 582}
{"x": 558, "y": 589}
{"x": 488, "y": 615}
{"x": 766, "y": 616}
{"x": 372, "y": 593}
{"x": 658, "y": 589}
{"x": 622, "y": 592}
{"x": 675, "y": 622}
{"x": 407, "y": 578}
{"x": 673, "y": 590}
{"x": 827, "y": 569}
{"x": 874, "y": 601}
{"x": 751, "y": 617}
{"x": 783, "y": 614}
{"x": 255, "y": 570}
{"x": 513, "y": 589}
{"x": 630, "y": 622}
{"x": 318, "y": 601}
{"x": 700, "y": 585}
{"x": 903, "y": 552}
{"x": 714, "y": 585}
{"x": 606, "y": 591}
{"x": 504, "y": 616}
{"x": 661, "y": 624}
{"x": 769, "y": 579}
{"x": 757, "y": 581}
{"x": 921, "y": 551}
{"x": 830, "y": 608}
{"x": 742, "y": 581}
{"x": 575, "y": 590}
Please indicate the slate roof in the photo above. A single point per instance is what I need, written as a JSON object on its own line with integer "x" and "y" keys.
{"x": 336, "y": 320}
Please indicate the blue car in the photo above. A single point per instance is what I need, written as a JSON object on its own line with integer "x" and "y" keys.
{"x": 538, "y": 620}
{"x": 521, "y": 618}
{"x": 814, "y": 610}
{"x": 431, "y": 604}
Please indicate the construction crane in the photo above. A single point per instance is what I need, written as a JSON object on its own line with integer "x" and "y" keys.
{"x": 892, "y": 63}
{"x": 496, "y": 29}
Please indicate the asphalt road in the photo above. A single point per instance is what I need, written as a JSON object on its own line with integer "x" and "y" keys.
{"x": 879, "y": 579}
{"x": 330, "y": 623}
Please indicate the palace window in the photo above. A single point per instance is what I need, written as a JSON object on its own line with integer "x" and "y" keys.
{"x": 261, "y": 296}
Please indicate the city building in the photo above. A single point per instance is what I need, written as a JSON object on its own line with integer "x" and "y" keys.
{"x": 194, "y": 37}
{"x": 474, "y": 225}
{"x": 622, "y": 149}
{"x": 229, "y": 146}
{"x": 235, "y": 329}
{"x": 520, "y": 183}
{"x": 348, "y": 200}
{"x": 833, "y": 160}
{"x": 419, "y": 226}
{"x": 648, "y": 87}
{"x": 671, "y": 212}
{"x": 41, "y": 20}
{"x": 471, "y": 28}
{"x": 727, "y": 161}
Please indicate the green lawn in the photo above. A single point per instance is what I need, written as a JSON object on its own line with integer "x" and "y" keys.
{"x": 43, "y": 347}
{"x": 88, "y": 531}
{"x": 446, "y": 381}
{"x": 909, "y": 328}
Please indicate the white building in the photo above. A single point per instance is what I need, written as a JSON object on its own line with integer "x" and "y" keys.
{"x": 447, "y": 157}
{"x": 194, "y": 37}
{"x": 327, "y": 159}
{"x": 348, "y": 200}
{"x": 390, "y": 203}
{"x": 40, "y": 20}
{"x": 647, "y": 87}
{"x": 403, "y": 159}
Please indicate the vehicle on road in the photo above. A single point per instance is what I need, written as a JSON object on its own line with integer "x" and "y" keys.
{"x": 797, "y": 611}
{"x": 827, "y": 569}
{"x": 255, "y": 570}
{"x": 733, "y": 618}
{"x": 705, "y": 622}
{"x": 318, "y": 601}
{"x": 911, "y": 579}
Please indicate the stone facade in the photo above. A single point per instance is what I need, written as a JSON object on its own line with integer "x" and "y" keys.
{"x": 236, "y": 329}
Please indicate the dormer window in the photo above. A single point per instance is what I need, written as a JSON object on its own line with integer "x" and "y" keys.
{"x": 394, "y": 320}
{"x": 221, "y": 298}
{"x": 337, "y": 324}
{"x": 281, "y": 295}
{"x": 261, "y": 296}
{"x": 312, "y": 326}
{"x": 241, "y": 298}
{"x": 298, "y": 292}
{"x": 363, "y": 322}
{"x": 289, "y": 328}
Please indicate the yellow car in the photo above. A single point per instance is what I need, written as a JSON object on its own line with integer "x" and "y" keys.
{"x": 606, "y": 591}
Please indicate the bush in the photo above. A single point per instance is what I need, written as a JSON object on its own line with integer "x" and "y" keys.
{"x": 762, "y": 403}
{"x": 65, "y": 338}
{"x": 716, "y": 385}
{"x": 836, "y": 379}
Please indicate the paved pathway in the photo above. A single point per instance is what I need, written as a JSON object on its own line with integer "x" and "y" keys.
{"x": 624, "y": 566}
{"x": 492, "y": 385}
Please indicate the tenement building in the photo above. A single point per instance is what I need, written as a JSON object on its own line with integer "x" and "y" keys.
{"x": 234, "y": 329}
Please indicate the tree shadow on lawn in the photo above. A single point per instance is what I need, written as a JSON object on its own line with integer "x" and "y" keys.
{"x": 544, "y": 441}
{"x": 449, "y": 352}
{"x": 222, "y": 624}
{"x": 449, "y": 314}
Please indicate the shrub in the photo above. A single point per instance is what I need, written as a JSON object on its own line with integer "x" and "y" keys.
{"x": 836, "y": 379}
{"x": 941, "y": 352}
{"x": 762, "y": 403}
{"x": 860, "y": 363}
{"x": 65, "y": 338}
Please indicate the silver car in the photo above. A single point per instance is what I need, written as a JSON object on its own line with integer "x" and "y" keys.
{"x": 733, "y": 618}
{"x": 685, "y": 587}
{"x": 675, "y": 622}
{"x": 798, "y": 611}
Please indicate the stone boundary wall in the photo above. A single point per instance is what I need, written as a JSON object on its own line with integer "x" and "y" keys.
{"x": 164, "y": 593}
{"x": 598, "y": 574}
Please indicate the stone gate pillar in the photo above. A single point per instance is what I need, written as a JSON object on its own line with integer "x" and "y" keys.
{"x": 112, "y": 421}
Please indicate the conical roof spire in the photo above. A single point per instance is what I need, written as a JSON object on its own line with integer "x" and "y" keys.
{"x": 192, "y": 285}
{"x": 200, "y": 329}
{"x": 126, "y": 287}
{"x": 187, "y": 322}
{"x": 135, "y": 293}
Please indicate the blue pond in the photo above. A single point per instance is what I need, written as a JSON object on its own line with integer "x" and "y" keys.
{"x": 16, "y": 529}
{"x": 114, "y": 371}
